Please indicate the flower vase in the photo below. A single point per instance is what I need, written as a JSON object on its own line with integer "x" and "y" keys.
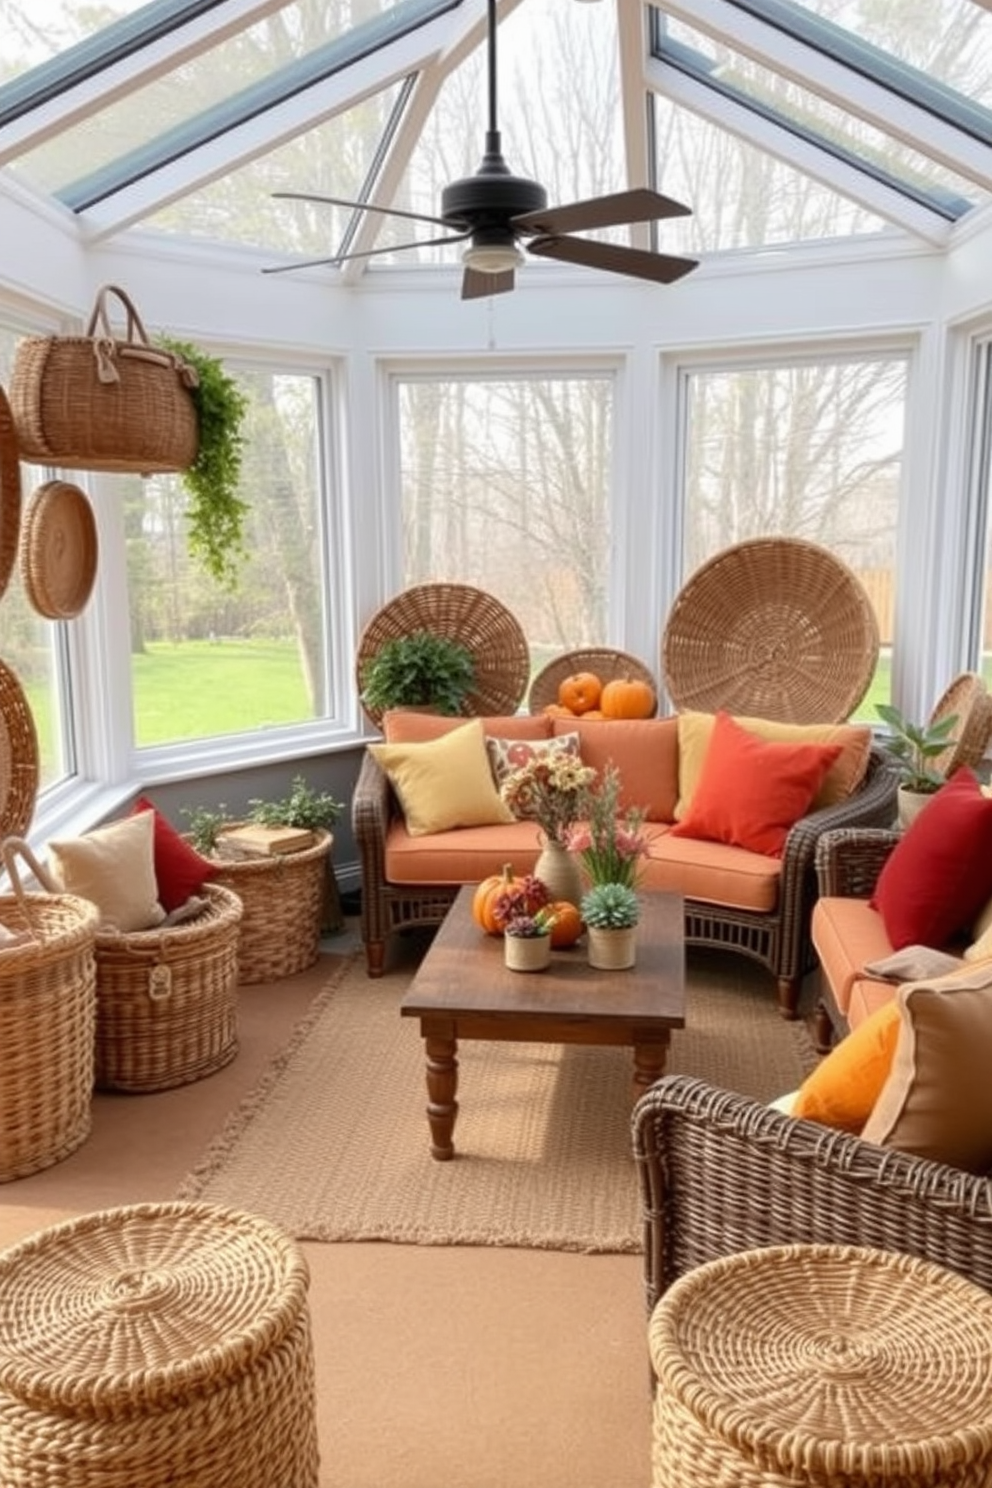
{"x": 527, "y": 952}
{"x": 611, "y": 950}
{"x": 558, "y": 869}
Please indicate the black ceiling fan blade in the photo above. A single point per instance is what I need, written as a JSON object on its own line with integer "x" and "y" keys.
{"x": 339, "y": 258}
{"x": 639, "y": 205}
{"x": 659, "y": 267}
{"x": 478, "y": 286}
{"x": 340, "y": 201}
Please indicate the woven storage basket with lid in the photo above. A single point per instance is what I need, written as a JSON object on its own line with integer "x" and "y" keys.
{"x": 157, "y": 1344}
{"x": 283, "y": 898}
{"x": 47, "y": 1022}
{"x": 827, "y": 1365}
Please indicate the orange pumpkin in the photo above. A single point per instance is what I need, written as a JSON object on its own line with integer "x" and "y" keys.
{"x": 627, "y": 697}
{"x": 557, "y": 710}
{"x": 485, "y": 900}
{"x": 567, "y": 926}
{"x": 580, "y": 692}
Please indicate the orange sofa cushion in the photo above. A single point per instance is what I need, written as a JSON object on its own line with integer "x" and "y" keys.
{"x": 844, "y": 1087}
{"x": 847, "y": 933}
{"x": 644, "y": 750}
{"x": 407, "y": 726}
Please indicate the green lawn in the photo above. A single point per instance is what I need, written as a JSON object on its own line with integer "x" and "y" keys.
{"x": 196, "y": 689}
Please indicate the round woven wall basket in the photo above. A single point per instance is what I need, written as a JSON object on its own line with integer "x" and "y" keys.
{"x": 283, "y": 898}
{"x": 603, "y": 661}
{"x": 167, "y": 999}
{"x": 157, "y": 1344}
{"x": 772, "y": 628}
{"x": 47, "y": 1020}
{"x": 10, "y": 492}
{"x": 462, "y": 613}
{"x": 966, "y": 699}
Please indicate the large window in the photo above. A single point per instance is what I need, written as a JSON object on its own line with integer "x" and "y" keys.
{"x": 505, "y": 484}
{"x": 809, "y": 449}
{"x": 207, "y": 660}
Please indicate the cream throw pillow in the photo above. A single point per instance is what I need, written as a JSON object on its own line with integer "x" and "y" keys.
{"x": 444, "y": 783}
{"x": 937, "y": 1100}
{"x": 843, "y": 776}
{"x": 114, "y": 868}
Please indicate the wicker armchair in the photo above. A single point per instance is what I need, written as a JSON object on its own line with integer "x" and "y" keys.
{"x": 778, "y": 940}
{"x": 721, "y": 1173}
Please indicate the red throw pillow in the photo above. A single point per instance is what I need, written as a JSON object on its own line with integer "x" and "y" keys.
{"x": 939, "y": 874}
{"x": 751, "y": 792}
{"x": 179, "y": 869}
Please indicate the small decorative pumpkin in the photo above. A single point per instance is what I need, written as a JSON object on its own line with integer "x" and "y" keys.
{"x": 628, "y": 697}
{"x": 486, "y": 901}
{"x": 557, "y": 710}
{"x": 580, "y": 692}
{"x": 567, "y": 926}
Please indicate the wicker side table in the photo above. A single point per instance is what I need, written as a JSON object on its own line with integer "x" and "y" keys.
{"x": 827, "y": 1365}
{"x": 156, "y": 1344}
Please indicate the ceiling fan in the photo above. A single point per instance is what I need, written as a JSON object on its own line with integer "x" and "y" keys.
{"x": 495, "y": 212}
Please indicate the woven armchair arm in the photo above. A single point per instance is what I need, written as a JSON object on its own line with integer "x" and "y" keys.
{"x": 849, "y": 860}
{"x": 721, "y": 1173}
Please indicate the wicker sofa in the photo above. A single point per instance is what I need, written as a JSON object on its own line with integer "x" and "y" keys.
{"x": 721, "y": 1173}
{"x": 736, "y": 899}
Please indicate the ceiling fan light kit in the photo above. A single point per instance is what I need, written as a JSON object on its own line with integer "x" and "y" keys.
{"x": 494, "y": 211}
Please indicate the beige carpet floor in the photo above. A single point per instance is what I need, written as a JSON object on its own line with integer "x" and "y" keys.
{"x": 333, "y": 1144}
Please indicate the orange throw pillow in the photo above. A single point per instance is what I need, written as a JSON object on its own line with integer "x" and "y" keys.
{"x": 750, "y": 793}
{"x": 844, "y": 1087}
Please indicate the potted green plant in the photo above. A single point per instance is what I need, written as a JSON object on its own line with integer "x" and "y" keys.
{"x": 216, "y": 513}
{"x": 611, "y": 912}
{"x": 287, "y": 892}
{"x": 915, "y": 748}
{"x": 527, "y": 940}
{"x": 419, "y": 670}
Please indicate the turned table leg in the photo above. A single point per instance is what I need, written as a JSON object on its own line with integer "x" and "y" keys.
{"x": 442, "y": 1088}
{"x": 649, "y": 1064}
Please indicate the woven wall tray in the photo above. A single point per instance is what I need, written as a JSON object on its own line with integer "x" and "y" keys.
{"x": 10, "y": 491}
{"x": 58, "y": 550}
{"x": 605, "y": 662}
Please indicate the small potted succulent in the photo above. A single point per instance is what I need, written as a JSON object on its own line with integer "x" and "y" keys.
{"x": 527, "y": 940}
{"x": 611, "y": 912}
{"x": 419, "y": 670}
{"x": 915, "y": 748}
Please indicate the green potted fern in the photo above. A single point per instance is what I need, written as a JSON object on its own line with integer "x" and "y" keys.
{"x": 419, "y": 670}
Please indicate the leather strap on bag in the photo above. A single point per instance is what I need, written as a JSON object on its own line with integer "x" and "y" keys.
{"x": 107, "y": 347}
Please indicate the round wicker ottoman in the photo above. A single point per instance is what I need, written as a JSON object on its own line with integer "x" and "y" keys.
{"x": 822, "y": 1365}
{"x": 156, "y": 1344}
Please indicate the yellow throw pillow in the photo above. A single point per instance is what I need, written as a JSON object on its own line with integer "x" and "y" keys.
{"x": 844, "y": 1087}
{"x": 445, "y": 782}
{"x": 114, "y": 868}
{"x": 843, "y": 776}
{"x": 937, "y": 1100}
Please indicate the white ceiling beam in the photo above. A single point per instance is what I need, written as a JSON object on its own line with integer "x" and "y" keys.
{"x": 153, "y": 60}
{"x": 765, "y": 135}
{"x": 825, "y": 78}
{"x": 245, "y": 142}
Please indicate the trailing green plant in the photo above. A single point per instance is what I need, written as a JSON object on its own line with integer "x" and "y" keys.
{"x": 416, "y": 671}
{"x": 304, "y": 807}
{"x": 204, "y": 826}
{"x": 914, "y": 746}
{"x": 216, "y": 514}
{"x": 610, "y": 906}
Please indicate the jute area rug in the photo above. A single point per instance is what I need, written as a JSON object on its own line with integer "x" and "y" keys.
{"x": 333, "y": 1143}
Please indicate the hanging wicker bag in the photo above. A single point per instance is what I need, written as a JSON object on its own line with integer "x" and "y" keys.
{"x": 102, "y": 401}
{"x": 47, "y": 1020}
{"x": 283, "y": 898}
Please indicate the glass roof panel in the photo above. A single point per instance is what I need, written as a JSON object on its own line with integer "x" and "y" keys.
{"x": 34, "y": 31}
{"x": 559, "y": 113}
{"x": 334, "y": 159}
{"x": 295, "y": 31}
{"x": 742, "y": 197}
{"x": 949, "y": 40}
{"x": 802, "y": 111}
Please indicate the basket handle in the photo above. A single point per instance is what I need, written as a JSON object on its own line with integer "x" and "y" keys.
{"x": 99, "y": 321}
{"x": 11, "y": 849}
{"x": 136, "y": 345}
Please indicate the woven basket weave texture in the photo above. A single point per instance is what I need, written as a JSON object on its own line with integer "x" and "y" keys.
{"x": 47, "y": 1021}
{"x": 154, "y": 1345}
{"x": 824, "y": 1365}
{"x": 771, "y": 628}
{"x": 167, "y": 999}
{"x": 459, "y": 612}
{"x": 967, "y": 699}
{"x": 282, "y": 898}
{"x": 605, "y": 662}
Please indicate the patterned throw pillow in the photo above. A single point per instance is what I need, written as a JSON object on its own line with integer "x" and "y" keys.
{"x": 507, "y": 755}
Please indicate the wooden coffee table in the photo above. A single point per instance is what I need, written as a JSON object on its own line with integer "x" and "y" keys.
{"x": 462, "y": 989}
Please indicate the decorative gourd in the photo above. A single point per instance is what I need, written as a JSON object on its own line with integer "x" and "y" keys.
{"x": 557, "y": 710}
{"x": 627, "y": 697}
{"x": 532, "y": 896}
{"x": 567, "y": 926}
{"x": 580, "y": 692}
